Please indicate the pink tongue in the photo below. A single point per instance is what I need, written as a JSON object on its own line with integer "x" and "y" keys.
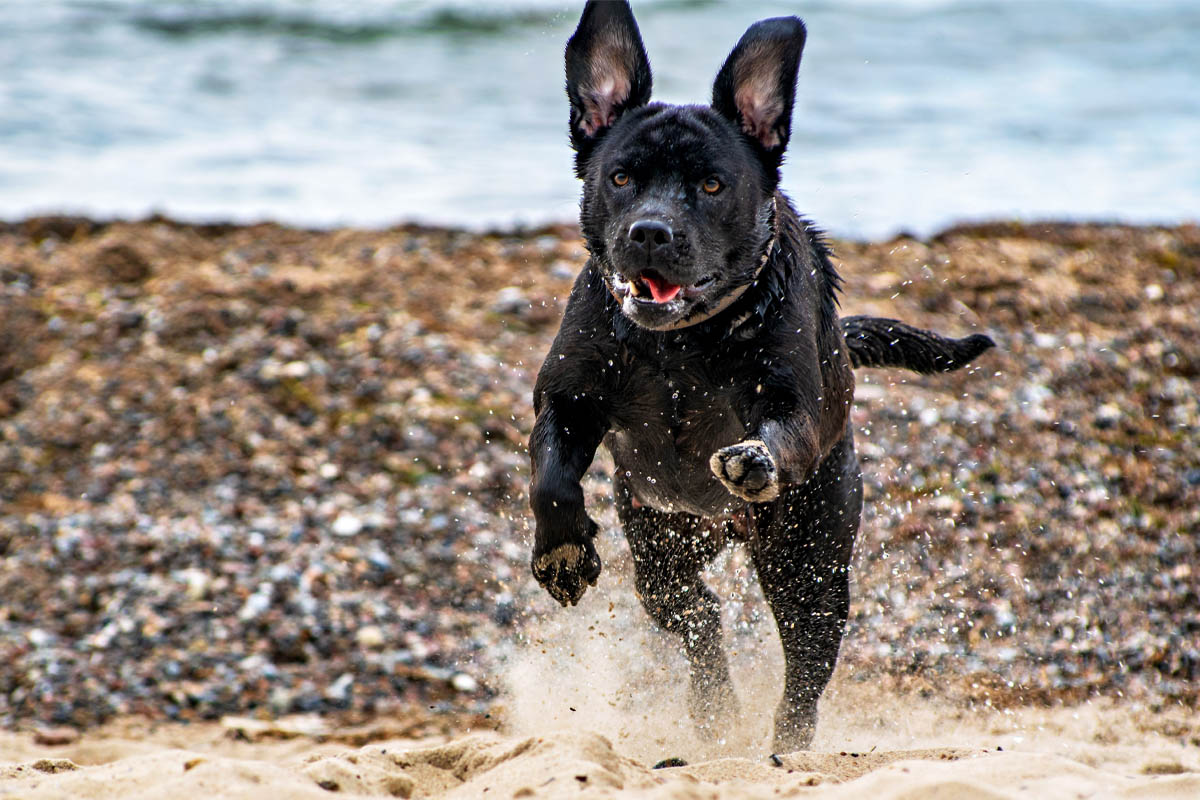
{"x": 660, "y": 290}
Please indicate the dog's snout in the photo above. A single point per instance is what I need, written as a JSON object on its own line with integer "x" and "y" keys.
{"x": 650, "y": 234}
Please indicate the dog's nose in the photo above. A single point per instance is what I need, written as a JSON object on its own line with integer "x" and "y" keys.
{"x": 650, "y": 234}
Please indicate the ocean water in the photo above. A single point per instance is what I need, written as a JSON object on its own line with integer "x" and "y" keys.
{"x": 911, "y": 114}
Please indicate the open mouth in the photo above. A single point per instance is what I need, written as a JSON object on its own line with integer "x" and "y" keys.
{"x": 659, "y": 288}
{"x": 652, "y": 287}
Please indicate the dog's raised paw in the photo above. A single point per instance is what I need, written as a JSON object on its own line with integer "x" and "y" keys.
{"x": 747, "y": 470}
{"x": 567, "y": 570}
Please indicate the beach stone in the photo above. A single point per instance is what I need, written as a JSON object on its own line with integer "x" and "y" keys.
{"x": 164, "y": 427}
{"x": 121, "y": 263}
{"x": 339, "y": 691}
{"x": 347, "y": 525}
{"x": 510, "y": 300}
{"x": 1108, "y": 415}
{"x": 296, "y": 369}
{"x": 462, "y": 682}
{"x": 370, "y": 637}
{"x": 56, "y": 737}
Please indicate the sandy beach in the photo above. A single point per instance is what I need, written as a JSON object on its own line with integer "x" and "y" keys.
{"x": 263, "y": 528}
{"x": 1095, "y": 750}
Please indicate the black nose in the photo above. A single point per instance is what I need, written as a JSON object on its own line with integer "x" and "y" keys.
{"x": 650, "y": 234}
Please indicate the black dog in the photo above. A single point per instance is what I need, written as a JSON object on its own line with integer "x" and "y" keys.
{"x": 701, "y": 344}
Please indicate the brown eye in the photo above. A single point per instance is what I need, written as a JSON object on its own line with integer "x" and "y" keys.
{"x": 712, "y": 186}
{"x": 620, "y": 179}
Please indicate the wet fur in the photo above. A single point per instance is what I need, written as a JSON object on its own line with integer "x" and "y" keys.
{"x": 735, "y": 426}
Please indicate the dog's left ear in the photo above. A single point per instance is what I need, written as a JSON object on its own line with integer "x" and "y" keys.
{"x": 756, "y": 87}
{"x": 607, "y": 73}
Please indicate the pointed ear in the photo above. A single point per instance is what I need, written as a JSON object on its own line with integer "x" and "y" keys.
{"x": 607, "y": 71}
{"x": 756, "y": 87}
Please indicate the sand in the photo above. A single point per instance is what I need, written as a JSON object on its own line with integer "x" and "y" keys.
{"x": 599, "y": 711}
{"x": 872, "y": 744}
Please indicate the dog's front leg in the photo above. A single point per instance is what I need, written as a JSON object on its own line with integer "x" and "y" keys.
{"x": 794, "y": 416}
{"x": 564, "y": 441}
{"x": 783, "y": 443}
{"x": 778, "y": 452}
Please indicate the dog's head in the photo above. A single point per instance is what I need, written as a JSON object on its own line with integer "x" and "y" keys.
{"x": 677, "y": 200}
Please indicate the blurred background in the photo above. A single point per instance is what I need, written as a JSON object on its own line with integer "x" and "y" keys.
{"x": 912, "y": 114}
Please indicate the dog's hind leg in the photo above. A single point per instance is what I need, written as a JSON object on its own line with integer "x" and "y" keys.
{"x": 669, "y": 552}
{"x": 802, "y": 556}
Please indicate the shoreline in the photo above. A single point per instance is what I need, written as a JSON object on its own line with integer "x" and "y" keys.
{"x": 64, "y": 225}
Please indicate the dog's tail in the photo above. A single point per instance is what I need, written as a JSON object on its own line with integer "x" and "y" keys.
{"x": 880, "y": 342}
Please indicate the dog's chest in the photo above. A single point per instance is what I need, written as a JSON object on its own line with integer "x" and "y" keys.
{"x": 669, "y": 419}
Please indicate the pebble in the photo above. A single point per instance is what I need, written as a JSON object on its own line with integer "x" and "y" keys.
{"x": 339, "y": 690}
{"x": 304, "y": 491}
{"x": 463, "y": 682}
{"x": 346, "y": 525}
{"x": 55, "y": 737}
{"x": 1108, "y": 415}
{"x": 257, "y": 603}
{"x": 510, "y": 300}
{"x": 297, "y": 370}
{"x": 40, "y": 638}
{"x": 370, "y": 637}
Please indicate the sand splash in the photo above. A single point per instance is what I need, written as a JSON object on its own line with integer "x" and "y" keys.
{"x": 603, "y": 666}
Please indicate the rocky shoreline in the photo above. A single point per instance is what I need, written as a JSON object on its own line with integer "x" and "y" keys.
{"x": 260, "y": 470}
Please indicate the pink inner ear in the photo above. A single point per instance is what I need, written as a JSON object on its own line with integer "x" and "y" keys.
{"x": 601, "y": 109}
{"x": 760, "y": 112}
{"x": 609, "y": 88}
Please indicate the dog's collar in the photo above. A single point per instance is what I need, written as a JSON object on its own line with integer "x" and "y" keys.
{"x": 737, "y": 293}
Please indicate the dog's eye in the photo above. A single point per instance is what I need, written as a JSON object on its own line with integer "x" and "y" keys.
{"x": 712, "y": 186}
{"x": 620, "y": 178}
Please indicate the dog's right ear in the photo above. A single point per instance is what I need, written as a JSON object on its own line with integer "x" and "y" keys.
{"x": 607, "y": 73}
